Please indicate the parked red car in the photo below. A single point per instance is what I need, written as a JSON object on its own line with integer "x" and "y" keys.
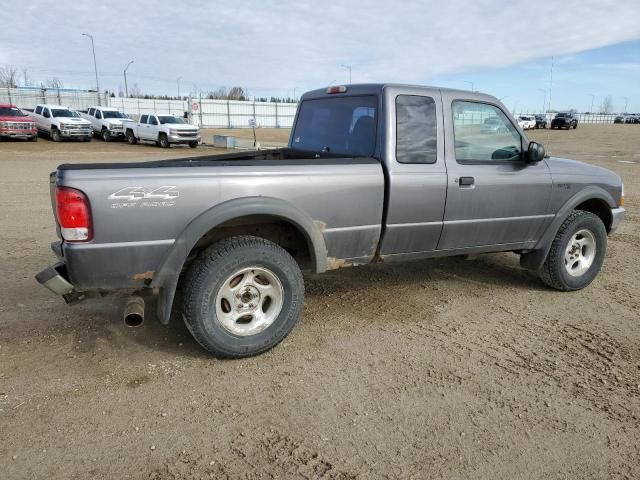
{"x": 15, "y": 124}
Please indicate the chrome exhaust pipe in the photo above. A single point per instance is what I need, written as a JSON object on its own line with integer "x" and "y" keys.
{"x": 134, "y": 311}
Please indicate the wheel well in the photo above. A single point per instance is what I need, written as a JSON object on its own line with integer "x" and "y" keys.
{"x": 600, "y": 208}
{"x": 275, "y": 229}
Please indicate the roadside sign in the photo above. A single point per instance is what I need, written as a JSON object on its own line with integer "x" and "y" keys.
{"x": 195, "y": 106}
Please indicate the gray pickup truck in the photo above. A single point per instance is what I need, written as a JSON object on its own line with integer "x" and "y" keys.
{"x": 372, "y": 173}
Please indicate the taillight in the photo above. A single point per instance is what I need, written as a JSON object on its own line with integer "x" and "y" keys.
{"x": 74, "y": 214}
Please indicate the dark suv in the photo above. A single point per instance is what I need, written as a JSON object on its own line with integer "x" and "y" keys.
{"x": 565, "y": 120}
{"x": 541, "y": 121}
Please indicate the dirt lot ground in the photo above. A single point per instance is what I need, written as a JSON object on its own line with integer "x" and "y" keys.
{"x": 444, "y": 368}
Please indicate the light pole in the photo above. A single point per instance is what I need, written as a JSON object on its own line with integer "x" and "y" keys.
{"x": 471, "y": 83}
{"x": 179, "y": 78}
{"x": 126, "y": 88}
{"x": 544, "y": 100}
{"x": 593, "y": 97}
{"x": 348, "y": 67}
{"x": 95, "y": 67}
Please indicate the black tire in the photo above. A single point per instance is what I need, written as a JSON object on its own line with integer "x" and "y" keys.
{"x": 87, "y": 139}
{"x": 575, "y": 125}
{"x": 163, "y": 141}
{"x": 55, "y": 135}
{"x": 553, "y": 272}
{"x": 193, "y": 144}
{"x": 34, "y": 138}
{"x": 105, "y": 135}
{"x": 209, "y": 274}
{"x": 131, "y": 138}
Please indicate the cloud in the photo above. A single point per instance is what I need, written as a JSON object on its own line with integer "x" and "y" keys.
{"x": 273, "y": 45}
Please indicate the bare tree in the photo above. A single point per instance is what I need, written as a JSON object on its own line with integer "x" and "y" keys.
{"x": 134, "y": 91}
{"x": 607, "y": 105}
{"x": 8, "y": 77}
{"x": 237, "y": 93}
{"x": 54, "y": 82}
{"x": 218, "y": 94}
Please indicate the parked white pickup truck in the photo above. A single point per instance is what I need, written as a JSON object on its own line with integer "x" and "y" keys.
{"x": 61, "y": 122}
{"x": 106, "y": 122}
{"x": 161, "y": 129}
{"x": 527, "y": 122}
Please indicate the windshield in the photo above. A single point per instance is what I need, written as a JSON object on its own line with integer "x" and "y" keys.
{"x": 562, "y": 115}
{"x": 341, "y": 125}
{"x": 11, "y": 112}
{"x": 59, "y": 112}
{"x": 112, "y": 114}
{"x": 169, "y": 119}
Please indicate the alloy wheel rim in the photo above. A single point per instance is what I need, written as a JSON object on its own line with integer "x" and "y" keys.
{"x": 580, "y": 253}
{"x": 249, "y": 301}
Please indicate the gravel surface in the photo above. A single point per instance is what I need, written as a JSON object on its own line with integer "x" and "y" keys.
{"x": 443, "y": 368}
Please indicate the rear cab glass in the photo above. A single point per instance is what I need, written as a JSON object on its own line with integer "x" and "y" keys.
{"x": 344, "y": 125}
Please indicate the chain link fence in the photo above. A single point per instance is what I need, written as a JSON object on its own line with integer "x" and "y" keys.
{"x": 199, "y": 111}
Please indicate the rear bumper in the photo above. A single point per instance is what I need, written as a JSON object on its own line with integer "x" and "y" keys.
{"x": 617, "y": 216}
{"x": 56, "y": 279}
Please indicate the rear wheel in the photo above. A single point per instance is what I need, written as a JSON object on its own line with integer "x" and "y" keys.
{"x": 55, "y": 135}
{"x": 577, "y": 252}
{"x": 163, "y": 141}
{"x": 242, "y": 296}
{"x": 131, "y": 138}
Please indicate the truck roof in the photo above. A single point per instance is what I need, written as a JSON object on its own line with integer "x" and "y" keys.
{"x": 49, "y": 105}
{"x": 377, "y": 88}
{"x": 7, "y": 105}
{"x": 104, "y": 109}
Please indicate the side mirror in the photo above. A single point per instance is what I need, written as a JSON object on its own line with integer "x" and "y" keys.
{"x": 535, "y": 153}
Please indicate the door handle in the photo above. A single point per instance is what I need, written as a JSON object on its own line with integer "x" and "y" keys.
{"x": 466, "y": 181}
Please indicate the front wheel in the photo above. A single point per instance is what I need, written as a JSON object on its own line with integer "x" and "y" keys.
{"x": 106, "y": 135}
{"x": 55, "y": 135}
{"x": 242, "y": 296}
{"x": 131, "y": 138}
{"x": 193, "y": 144}
{"x": 577, "y": 252}
{"x": 34, "y": 138}
{"x": 163, "y": 141}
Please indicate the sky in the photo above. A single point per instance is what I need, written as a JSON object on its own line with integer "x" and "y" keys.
{"x": 275, "y": 47}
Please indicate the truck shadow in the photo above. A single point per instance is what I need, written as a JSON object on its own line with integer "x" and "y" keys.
{"x": 322, "y": 291}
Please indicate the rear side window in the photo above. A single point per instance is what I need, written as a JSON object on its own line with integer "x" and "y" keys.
{"x": 143, "y": 118}
{"x": 416, "y": 135}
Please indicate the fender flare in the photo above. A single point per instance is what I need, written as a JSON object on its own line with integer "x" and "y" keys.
{"x": 535, "y": 259}
{"x": 166, "y": 278}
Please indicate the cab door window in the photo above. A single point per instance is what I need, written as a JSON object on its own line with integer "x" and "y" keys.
{"x": 153, "y": 120}
{"x": 484, "y": 134}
